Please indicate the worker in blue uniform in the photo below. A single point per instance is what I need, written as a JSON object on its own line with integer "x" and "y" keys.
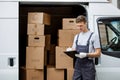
{"x": 86, "y": 43}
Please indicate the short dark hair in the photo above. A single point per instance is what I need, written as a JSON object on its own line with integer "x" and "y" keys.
{"x": 81, "y": 18}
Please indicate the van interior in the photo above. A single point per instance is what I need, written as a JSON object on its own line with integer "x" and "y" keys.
{"x": 57, "y": 13}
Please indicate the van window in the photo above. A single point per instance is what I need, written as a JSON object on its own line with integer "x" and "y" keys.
{"x": 109, "y": 30}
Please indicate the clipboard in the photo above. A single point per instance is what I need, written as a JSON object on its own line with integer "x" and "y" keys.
{"x": 71, "y": 53}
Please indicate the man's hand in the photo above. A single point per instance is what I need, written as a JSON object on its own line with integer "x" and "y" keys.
{"x": 81, "y": 55}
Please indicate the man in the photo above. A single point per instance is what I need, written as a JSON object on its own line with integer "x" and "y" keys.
{"x": 86, "y": 43}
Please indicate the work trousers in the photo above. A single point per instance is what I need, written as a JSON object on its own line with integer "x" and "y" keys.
{"x": 84, "y": 70}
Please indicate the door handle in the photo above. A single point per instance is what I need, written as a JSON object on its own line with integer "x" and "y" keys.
{"x": 96, "y": 61}
{"x": 11, "y": 61}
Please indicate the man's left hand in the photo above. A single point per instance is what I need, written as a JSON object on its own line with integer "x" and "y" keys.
{"x": 81, "y": 55}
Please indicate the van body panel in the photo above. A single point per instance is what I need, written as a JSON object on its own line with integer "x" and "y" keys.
{"x": 102, "y": 10}
{"x": 9, "y": 9}
{"x": 9, "y": 36}
{"x": 9, "y": 67}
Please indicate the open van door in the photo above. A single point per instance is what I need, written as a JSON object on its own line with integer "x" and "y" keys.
{"x": 109, "y": 31}
{"x": 106, "y": 23}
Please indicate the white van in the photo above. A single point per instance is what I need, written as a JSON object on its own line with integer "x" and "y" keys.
{"x": 103, "y": 19}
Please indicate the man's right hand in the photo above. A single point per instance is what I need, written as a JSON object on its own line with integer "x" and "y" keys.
{"x": 69, "y": 49}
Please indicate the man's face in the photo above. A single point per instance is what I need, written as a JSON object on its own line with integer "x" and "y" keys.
{"x": 81, "y": 26}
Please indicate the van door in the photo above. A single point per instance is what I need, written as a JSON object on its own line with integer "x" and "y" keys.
{"x": 8, "y": 40}
{"x": 109, "y": 62}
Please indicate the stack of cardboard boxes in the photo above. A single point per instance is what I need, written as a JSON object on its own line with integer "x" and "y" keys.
{"x": 46, "y": 61}
{"x": 63, "y": 69}
{"x": 38, "y": 44}
{"x": 65, "y": 40}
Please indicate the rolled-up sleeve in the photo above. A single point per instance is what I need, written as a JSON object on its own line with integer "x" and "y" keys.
{"x": 96, "y": 41}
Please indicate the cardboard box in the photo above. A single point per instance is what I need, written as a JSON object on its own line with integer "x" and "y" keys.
{"x": 66, "y": 37}
{"x": 32, "y": 74}
{"x": 51, "y": 55}
{"x": 69, "y": 23}
{"x": 70, "y": 74}
{"x": 47, "y": 41}
{"x": 63, "y": 61}
{"x": 35, "y": 40}
{"x": 36, "y": 29}
{"x": 45, "y": 57}
{"x": 38, "y": 17}
{"x": 55, "y": 74}
{"x": 51, "y": 59}
{"x": 52, "y": 48}
{"x": 35, "y": 57}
